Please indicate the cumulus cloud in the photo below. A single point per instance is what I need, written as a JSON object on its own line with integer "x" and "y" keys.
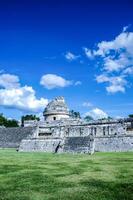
{"x": 88, "y": 53}
{"x": 70, "y": 56}
{"x": 116, "y": 83}
{"x": 115, "y": 88}
{"x": 128, "y": 71}
{"x": 125, "y": 28}
{"x": 9, "y": 81}
{"x": 51, "y": 81}
{"x": 116, "y": 58}
{"x": 122, "y": 42}
{"x": 12, "y": 94}
{"x": 87, "y": 104}
{"x": 102, "y": 78}
{"x": 97, "y": 113}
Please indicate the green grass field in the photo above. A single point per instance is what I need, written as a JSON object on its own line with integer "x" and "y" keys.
{"x": 41, "y": 176}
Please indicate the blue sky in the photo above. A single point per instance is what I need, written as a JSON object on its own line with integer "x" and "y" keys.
{"x": 55, "y": 48}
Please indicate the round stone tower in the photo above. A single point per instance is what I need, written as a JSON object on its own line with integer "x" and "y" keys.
{"x": 56, "y": 110}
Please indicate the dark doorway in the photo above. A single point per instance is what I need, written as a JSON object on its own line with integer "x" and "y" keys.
{"x": 54, "y": 118}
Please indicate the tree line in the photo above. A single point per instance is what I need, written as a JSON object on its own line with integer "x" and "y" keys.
{"x": 8, "y": 122}
{"x": 15, "y": 123}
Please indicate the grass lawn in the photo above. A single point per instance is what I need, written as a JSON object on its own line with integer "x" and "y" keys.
{"x": 43, "y": 176}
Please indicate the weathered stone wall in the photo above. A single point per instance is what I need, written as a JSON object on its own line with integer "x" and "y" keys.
{"x": 129, "y": 132}
{"x": 68, "y": 137}
{"x": 30, "y": 123}
{"x": 107, "y": 129}
{"x": 77, "y": 131}
{"x": 78, "y": 138}
{"x": 11, "y": 137}
{"x": 47, "y": 145}
{"x": 114, "y": 143}
{"x": 78, "y": 145}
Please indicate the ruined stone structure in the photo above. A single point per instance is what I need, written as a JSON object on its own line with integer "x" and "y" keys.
{"x": 60, "y": 133}
{"x": 12, "y": 137}
{"x": 56, "y": 110}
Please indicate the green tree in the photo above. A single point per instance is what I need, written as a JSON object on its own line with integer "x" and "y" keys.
{"x": 29, "y": 117}
{"x": 3, "y": 120}
{"x": 109, "y": 118}
{"x": 12, "y": 123}
{"x": 88, "y": 118}
{"x": 8, "y": 122}
{"x": 75, "y": 114}
{"x": 130, "y": 116}
{"x": 106, "y": 118}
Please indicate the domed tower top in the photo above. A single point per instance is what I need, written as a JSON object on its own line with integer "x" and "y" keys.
{"x": 56, "y": 110}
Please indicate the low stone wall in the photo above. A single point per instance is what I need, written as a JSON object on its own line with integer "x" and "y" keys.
{"x": 78, "y": 145}
{"x": 113, "y": 144}
{"x": 11, "y": 137}
{"x": 47, "y": 145}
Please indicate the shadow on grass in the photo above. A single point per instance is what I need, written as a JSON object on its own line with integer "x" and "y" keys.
{"x": 109, "y": 190}
{"x": 23, "y": 186}
{"x": 35, "y": 178}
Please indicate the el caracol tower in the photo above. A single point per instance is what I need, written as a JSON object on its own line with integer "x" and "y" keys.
{"x": 56, "y": 110}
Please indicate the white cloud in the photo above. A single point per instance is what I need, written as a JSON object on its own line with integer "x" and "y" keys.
{"x": 116, "y": 83}
{"x": 115, "y": 65}
{"x": 87, "y": 104}
{"x": 88, "y": 53}
{"x": 125, "y": 28}
{"x": 78, "y": 83}
{"x": 112, "y": 65}
{"x": 9, "y": 81}
{"x": 51, "y": 81}
{"x": 116, "y": 61}
{"x": 118, "y": 53}
{"x": 123, "y": 41}
{"x": 115, "y": 88}
{"x": 70, "y": 56}
{"x": 97, "y": 113}
{"x": 12, "y": 94}
{"x": 128, "y": 70}
{"x": 102, "y": 78}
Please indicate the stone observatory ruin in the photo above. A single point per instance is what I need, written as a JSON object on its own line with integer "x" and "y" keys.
{"x": 60, "y": 133}
{"x": 56, "y": 110}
